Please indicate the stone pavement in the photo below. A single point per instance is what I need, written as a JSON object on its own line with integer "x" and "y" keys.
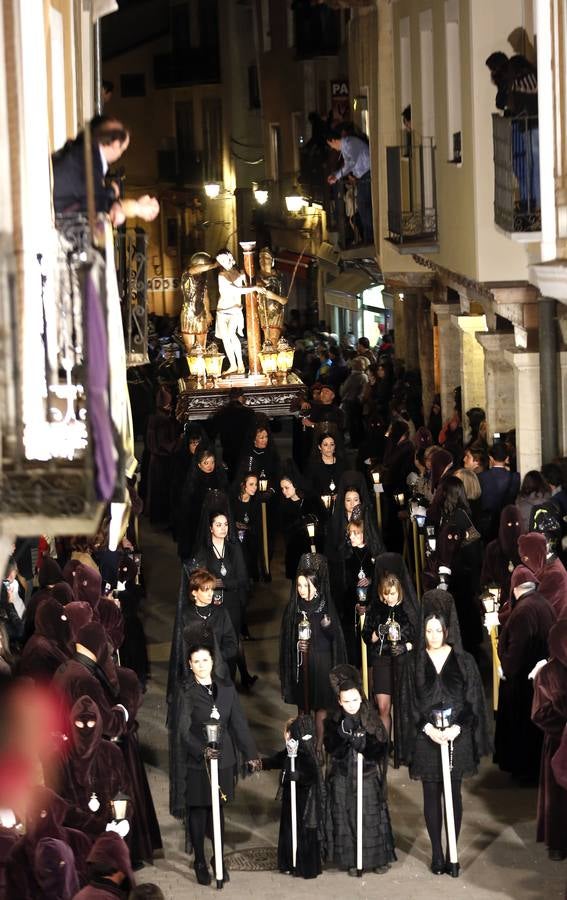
{"x": 498, "y": 853}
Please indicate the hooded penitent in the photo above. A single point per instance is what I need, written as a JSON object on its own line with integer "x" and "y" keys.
{"x": 111, "y": 851}
{"x": 55, "y": 870}
{"x": 50, "y": 572}
{"x": 87, "y": 585}
{"x": 551, "y": 573}
{"x": 79, "y": 613}
{"x": 439, "y": 462}
{"x": 509, "y": 531}
{"x": 63, "y": 593}
{"x": 50, "y": 645}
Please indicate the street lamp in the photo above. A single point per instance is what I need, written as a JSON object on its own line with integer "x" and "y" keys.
{"x": 294, "y": 202}
{"x": 261, "y": 196}
{"x": 213, "y": 362}
{"x": 212, "y": 189}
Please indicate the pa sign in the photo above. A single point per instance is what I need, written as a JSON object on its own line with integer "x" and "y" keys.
{"x": 339, "y": 89}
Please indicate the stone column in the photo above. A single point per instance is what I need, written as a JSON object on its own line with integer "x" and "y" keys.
{"x": 498, "y": 380}
{"x": 424, "y": 328}
{"x": 253, "y": 338}
{"x": 448, "y": 348}
{"x": 471, "y": 363}
{"x": 399, "y": 327}
{"x": 548, "y": 377}
{"x": 527, "y": 409}
{"x": 411, "y": 356}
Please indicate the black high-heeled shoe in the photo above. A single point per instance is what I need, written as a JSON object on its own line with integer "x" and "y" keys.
{"x": 438, "y": 866}
{"x": 202, "y": 872}
{"x": 453, "y": 869}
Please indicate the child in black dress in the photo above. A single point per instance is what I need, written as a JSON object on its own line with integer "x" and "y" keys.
{"x": 299, "y": 737}
{"x": 356, "y": 728}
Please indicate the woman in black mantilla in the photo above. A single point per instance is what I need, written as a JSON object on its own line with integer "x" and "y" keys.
{"x": 245, "y": 505}
{"x": 352, "y": 729}
{"x": 305, "y": 663}
{"x": 358, "y": 580}
{"x": 206, "y": 697}
{"x": 206, "y": 475}
{"x": 259, "y": 455}
{"x": 298, "y": 508}
{"x": 194, "y": 438}
{"x": 353, "y": 502}
{"x": 299, "y": 736}
{"x": 442, "y": 676}
{"x": 218, "y": 550}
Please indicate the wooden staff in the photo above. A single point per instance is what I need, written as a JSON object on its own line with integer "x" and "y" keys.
{"x": 495, "y": 666}
{"x": 416, "y": 557}
{"x": 359, "y": 801}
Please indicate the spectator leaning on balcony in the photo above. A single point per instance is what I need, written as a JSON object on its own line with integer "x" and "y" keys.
{"x": 498, "y": 65}
{"x": 110, "y": 139}
{"x": 356, "y": 162}
{"x": 522, "y": 105}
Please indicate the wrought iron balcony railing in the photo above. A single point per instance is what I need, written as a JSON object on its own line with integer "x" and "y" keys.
{"x": 412, "y": 194}
{"x": 517, "y": 205}
{"x": 130, "y": 247}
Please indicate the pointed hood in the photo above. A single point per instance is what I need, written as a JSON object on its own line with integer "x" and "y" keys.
{"x": 509, "y": 531}
{"x": 79, "y": 613}
{"x": 50, "y": 572}
{"x": 87, "y": 585}
{"x": 55, "y": 870}
{"x": 111, "y": 850}
{"x": 533, "y": 552}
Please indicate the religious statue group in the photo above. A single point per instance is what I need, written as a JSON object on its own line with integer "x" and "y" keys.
{"x": 196, "y": 317}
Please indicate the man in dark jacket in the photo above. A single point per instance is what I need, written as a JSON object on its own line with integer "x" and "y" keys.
{"x": 233, "y": 422}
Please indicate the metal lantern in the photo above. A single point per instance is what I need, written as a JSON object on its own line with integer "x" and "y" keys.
{"x": 491, "y": 599}
{"x": 311, "y": 529}
{"x": 119, "y": 806}
{"x": 197, "y": 366}
{"x": 212, "y": 189}
{"x": 400, "y": 499}
{"x": 326, "y": 500}
{"x": 262, "y": 482}
{"x": 285, "y": 356}
{"x": 268, "y": 359}
{"x": 304, "y": 629}
{"x": 361, "y": 593}
{"x": 441, "y": 718}
{"x": 213, "y": 362}
{"x": 376, "y": 476}
{"x": 213, "y": 733}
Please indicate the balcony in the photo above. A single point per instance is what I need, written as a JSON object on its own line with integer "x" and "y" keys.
{"x": 412, "y": 197}
{"x": 130, "y": 249}
{"x": 516, "y": 174}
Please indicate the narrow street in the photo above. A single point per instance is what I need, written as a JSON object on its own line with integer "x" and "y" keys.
{"x": 498, "y": 853}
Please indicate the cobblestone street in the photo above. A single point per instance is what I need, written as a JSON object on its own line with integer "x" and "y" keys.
{"x": 498, "y": 853}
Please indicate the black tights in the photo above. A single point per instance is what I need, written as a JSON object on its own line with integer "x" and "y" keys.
{"x": 201, "y": 825}
{"x": 433, "y": 812}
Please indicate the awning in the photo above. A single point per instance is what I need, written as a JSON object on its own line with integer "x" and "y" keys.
{"x": 347, "y": 291}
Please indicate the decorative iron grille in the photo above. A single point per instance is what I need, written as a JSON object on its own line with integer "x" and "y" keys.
{"x": 412, "y": 193}
{"x": 517, "y": 203}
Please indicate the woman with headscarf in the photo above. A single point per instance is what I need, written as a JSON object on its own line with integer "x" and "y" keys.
{"x": 49, "y": 646}
{"x": 305, "y": 663}
{"x": 523, "y": 642}
{"x": 298, "y": 508}
{"x": 205, "y": 476}
{"x": 44, "y": 819}
{"x": 355, "y": 728}
{"x": 299, "y": 736}
{"x": 206, "y": 697}
{"x": 501, "y": 556}
{"x": 441, "y": 678}
{"x": 92, "y": 771}
{"x": 549, "y": 712}
{"x": 353, "y": 502}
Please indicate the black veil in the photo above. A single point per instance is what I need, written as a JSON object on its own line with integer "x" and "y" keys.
{"x": 337, "y": 540}
{"x": 314, "y": 566}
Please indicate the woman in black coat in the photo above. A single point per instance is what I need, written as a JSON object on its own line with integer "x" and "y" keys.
{"x": 325, "y": 468}
{"x": 205, "y": 698}
{"x": 298, "y": 508}
{"x": 206, "y": 475}
{"x": 441, "y": 676}
{"x": 247, "y": 518}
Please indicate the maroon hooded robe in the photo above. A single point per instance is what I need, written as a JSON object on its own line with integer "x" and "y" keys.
{"x": 551, "y": 573}
{"x": 522, "y": 643}
{"x": 44, "y": 821}
{"x": 501, "y": 555}
{"x": 549, "y": 712}
{"x": 110, "y": 853}
{"x": 49, "y": 646}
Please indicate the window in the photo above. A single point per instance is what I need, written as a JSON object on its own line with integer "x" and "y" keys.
{"x": 275, "y": 150}
{"x": 266, "y": 30}
{"x": 298, "y": 139}
{"x": 427, "y": 74}
{"x": 212, "y": 139}
{"x": 453, "y": 69}
{"x": 133, "y": 85}
{"x": 253, "y": 88}
{"x": 405, "y": 64}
